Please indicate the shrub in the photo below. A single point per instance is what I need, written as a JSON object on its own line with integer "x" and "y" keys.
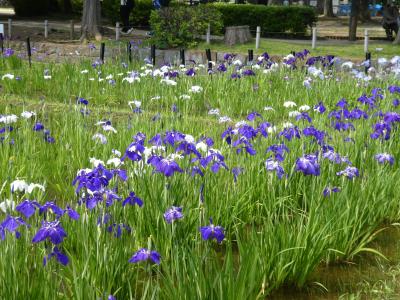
{"x": 30, "y": 8}
{"x": 180, "y": 26}
{"x": 272, "y": 19}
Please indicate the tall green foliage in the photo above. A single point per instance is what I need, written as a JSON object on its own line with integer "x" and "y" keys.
{"x": 180, "y": 26}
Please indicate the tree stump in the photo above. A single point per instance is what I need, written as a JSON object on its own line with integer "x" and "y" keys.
{"x": 237, "y": 35}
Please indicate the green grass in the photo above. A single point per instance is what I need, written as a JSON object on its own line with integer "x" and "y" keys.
{"x": 279, "y": 232}
{"x": 343, "y": 49}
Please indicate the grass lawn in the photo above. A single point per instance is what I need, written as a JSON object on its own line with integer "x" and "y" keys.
{"x": 339, "y": 48}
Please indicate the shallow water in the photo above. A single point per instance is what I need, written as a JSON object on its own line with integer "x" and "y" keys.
{"x": 356, "y": 280}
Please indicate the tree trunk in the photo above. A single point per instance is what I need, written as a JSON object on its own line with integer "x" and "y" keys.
{"x": 328, "y": 8}
{"x": 91, "y": 19}
{"x": 320, "y": 6}
{"x": 364, "y": 13}
{"x": 397, "y": 39}
{"x": 355, "y": 5}
{"x": 67, "y": 6}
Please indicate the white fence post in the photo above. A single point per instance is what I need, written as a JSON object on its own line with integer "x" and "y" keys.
{"x": 258, "y": 34}
{"x": 208, "y": 34}
{"x": 117, "y": 31}
{"x": 46, "y": 29}
{"x": 71, "y": 29}
{"x": 314, "y": 38}
{"x": 366, "y": 40}
{"x": 9, "y": 28}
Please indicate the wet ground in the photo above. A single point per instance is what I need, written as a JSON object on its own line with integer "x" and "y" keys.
{"x": 368, "y": 277}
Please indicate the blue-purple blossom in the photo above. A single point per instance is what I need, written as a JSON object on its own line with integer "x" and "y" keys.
{"x": 308, "y": 165}
{"x": 328, "y": 191}
{"x": 50, "y": 230}
{"x": 61, "y": 257}
{"x": 273, "y": 165}
{"x": 165, "y": 166}
{"x": 212, "y": 232}
{"x": 383, "y": 158}
{"x": 173, "y": 213}
{"x": 27, "y": 208}
{"x": 278, "y": 151}
{"x": 144, "y": 255}
{"x": 320, "y": 108}
{"x": 11, "y": 224}
{"x": 38, "y": 126}
{"x": 349, "y": 172}
{"x": 290, "y": 133}
{"x": 132, "y": 199}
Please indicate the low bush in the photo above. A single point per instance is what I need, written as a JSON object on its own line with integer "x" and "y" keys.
{"x": 180, "y": 26}
{"x": 272, "y": 19}
{"x": 28, "y": 8}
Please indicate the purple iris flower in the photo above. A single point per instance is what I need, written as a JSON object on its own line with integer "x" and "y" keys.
{"x": 320, "y": 108}
{"x": 317, "y": 134}
{"x": 308, "y": 165}
{"x": 332, "y": 156}
{"x": 328, "y": 191}
{"x": 382, "y": 158}
{"x": 164, "y": 165}
{"x": 391, "y": 117}
{"x": 117, "y": 228}
{"x": 47, "y": 137}
{"x": 50, "y": 230}
{"x": 278, "y": 150}
{"x": 263, "y": 128}
{"x": 173, "y": 137}
{"x": 342, "y": 103}
{"x": 27, "y": 208}
{"x": 342, "y": 126}
{"x": 61, "y": 257}
{"x": 222, "y": 68}
{"x": 381, "y": 129}
{"x": 11, "y": 224}
{"x": 212, "y": 232}
{"x": 190, "y": 72}
{"x": 73, "y": 214}
{"x": 53, "y": 208}
{"x": 396, "y": 102}
{"x": 253, "y": 115}
{"x": 394, "y": 89}
{"x": 290, "y": 133}
{"x": 187, "y": 148}
{"x": 235, "y": 76}
{"x": 82, "y": 101}
{"x": 173, "y": 213}
{"x": 145, "y": 254}
{"x": 349, "y": 172}
{"x": 38, "y": 126}
{"x": 132, "y": 199}
{"x": 135, "y": 150}
{"x": 8, "y": 52}
{"x": 248, "y": 73}
{"x": 94, "y": 180}
{"x": 273, "y": 165}
{"x": 196, "y": 170}
{"x": 304, "y": 116}
{"x": 236, "y": 172}
{"x": 228, "y": 56}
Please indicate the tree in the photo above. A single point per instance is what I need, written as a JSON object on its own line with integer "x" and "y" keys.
{"x": 355, "y": 8}
{"x": 67, "y": 6}
{"x": 328, "y": 8}
{"x": 91, "y": 19}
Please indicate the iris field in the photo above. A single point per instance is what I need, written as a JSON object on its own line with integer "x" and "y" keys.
{"x": 128, "y": 181}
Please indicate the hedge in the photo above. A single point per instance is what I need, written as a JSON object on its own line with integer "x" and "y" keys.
{"x": 272, "y": 19}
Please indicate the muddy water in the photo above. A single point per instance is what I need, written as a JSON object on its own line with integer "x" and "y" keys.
{"x": 365, "y": 274}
